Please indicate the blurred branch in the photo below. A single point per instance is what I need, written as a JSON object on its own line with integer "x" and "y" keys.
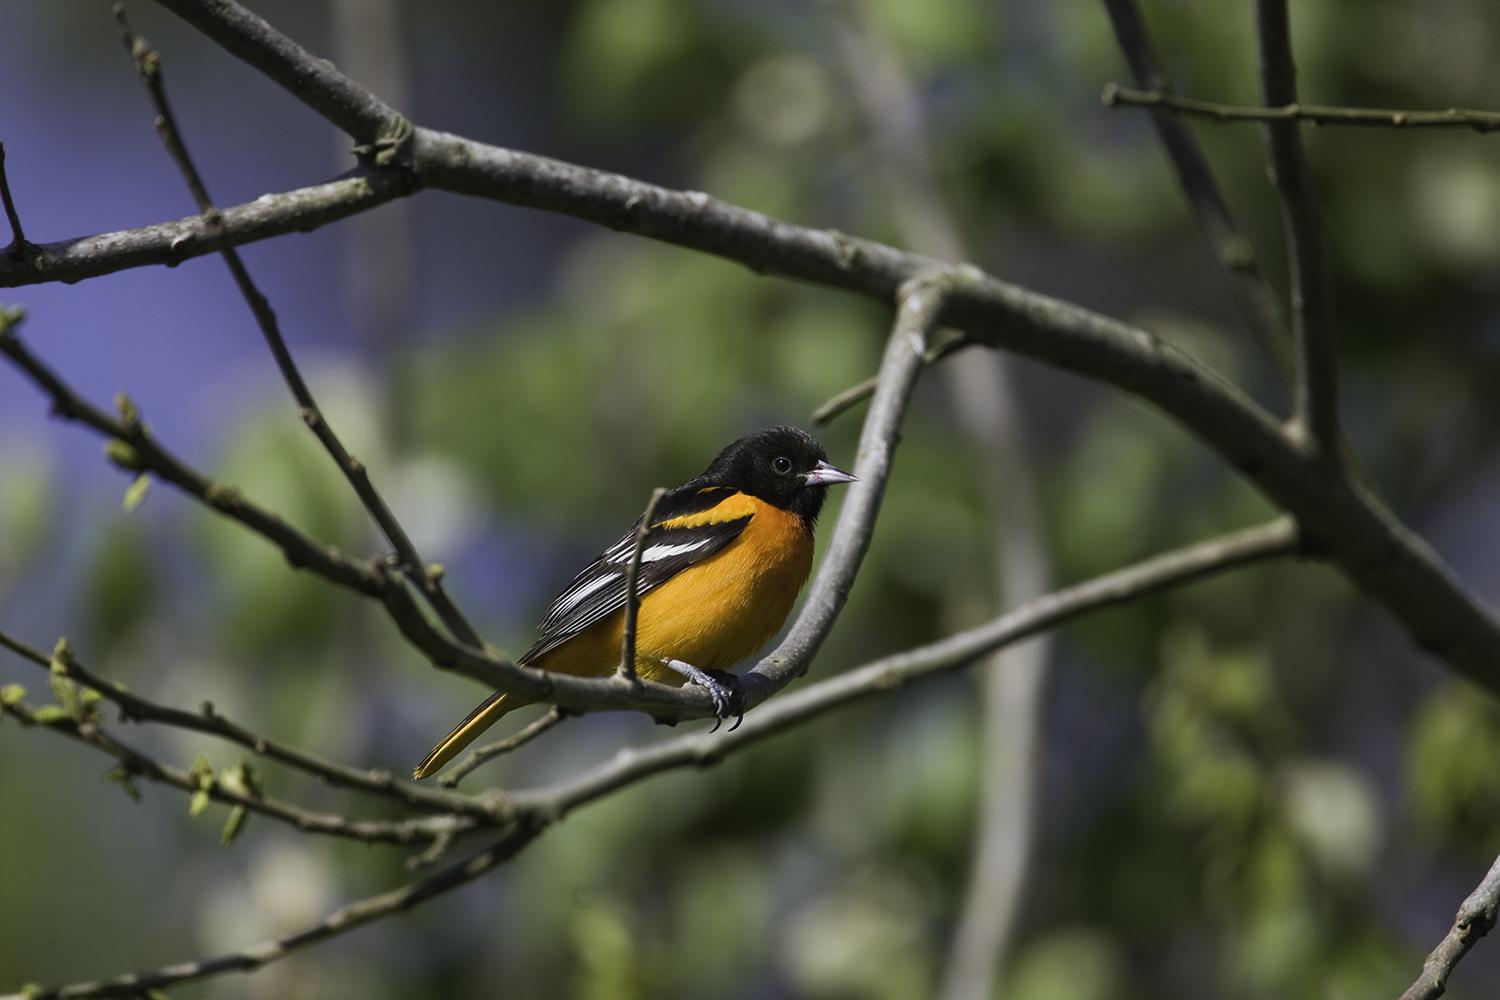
{"x": 427, "y": 580}
{"x": 88, "y": 731}
{"x": 135, "y": 708}
{"x": 535, "y": 810}
{"x": 490, "y": 751}
{"x": 1475, "y": 919}
{"x": 982, "y": 390}
{"x": 1315, "y": 397}
{"x": 336, "y": 924}
{"x": 1483, "y": 122}
{"x": 1231, "y": 248}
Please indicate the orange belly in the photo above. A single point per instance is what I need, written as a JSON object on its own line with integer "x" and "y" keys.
{"x": 711, "y": 615}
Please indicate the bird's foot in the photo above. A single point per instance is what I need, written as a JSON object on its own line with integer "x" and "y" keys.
{"x": 723, "y": 687}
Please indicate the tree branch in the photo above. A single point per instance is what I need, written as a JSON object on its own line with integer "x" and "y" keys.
{"x": 537, "y": 809}
{"x": 1315, "y": 386}
{"x": 883, "y": 676}
{"x": 148, "y": 65}
{"x": 171, "y": 243}
{"x": 17, "y": 234}
{"x": 1483, "y": 122}
{"x": 1475, "y": 919}
{"x": 1232, "y": 250}
{"x": 135, "y": 708}
{"x": 408, "y": 832}
{"x": 141, "y": 452}
{"x": 515, "y": 741}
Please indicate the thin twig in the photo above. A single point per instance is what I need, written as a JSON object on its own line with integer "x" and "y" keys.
{"x": 840, "y": 403}
{"x": 17, "y": 234}
{"x": 139, "y": 764}
{"x": 534, "y": 810}
{"x": 428, "y": 579}
{"x": 1313, "y": 114}
{"x": 626, "y": 669}
{"x": 490, "y": 751}
{"x": 1315, "y": 386}
{"x": 1475, "y": 919}
{"x": 135, "y": 708}
{"x": 142, "y": 452}
{"x": 336, "y": 924}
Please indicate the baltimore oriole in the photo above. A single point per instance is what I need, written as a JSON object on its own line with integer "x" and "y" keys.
{"x": 721, "y": 566}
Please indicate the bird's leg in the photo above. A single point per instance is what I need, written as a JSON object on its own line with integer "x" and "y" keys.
{"x": 723, "y": 687}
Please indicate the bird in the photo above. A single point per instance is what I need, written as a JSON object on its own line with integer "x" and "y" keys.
{"x": 721, "y": 565}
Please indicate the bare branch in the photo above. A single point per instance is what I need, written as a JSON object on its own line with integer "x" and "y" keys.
{"x": 1475, "y": 919}
{"x": 632, "y": 599}
{"x": 313, "y": 81}
{"x": 171, "y": 243}
{"x": 1232, "y": 250}
{"x": 148, "y": 64}
{"x": 1315, "y": 386}
{"x": 1483, "y": 122}
{"x": 17, "y": 234}
{"x": 135, "y": 708}
{"x": 515, "y": 741}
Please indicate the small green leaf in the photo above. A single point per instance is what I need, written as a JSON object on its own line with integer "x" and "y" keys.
{"x": 49, "y": 715}
{"x": 198, "y": 802}
{"x": 30, "y": 990}
{"x": 157, "y": 995}
{"x": 233, "y": 825}
{"x": 12, "y": 694}
{"x": 121, "y": 776}
{"x": 136, "y": 492}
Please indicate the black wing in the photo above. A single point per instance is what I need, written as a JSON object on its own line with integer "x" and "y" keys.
{"x": 599, "y": 591}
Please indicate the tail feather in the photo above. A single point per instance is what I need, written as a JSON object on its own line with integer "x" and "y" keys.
{"x": 483, "y": 717}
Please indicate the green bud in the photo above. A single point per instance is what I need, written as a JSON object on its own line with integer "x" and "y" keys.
{"x": 135, "y": 492}
{"x": 233, "y": 825}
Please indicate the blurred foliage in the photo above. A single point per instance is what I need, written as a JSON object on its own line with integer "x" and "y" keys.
{"x": 1251, "y": 788}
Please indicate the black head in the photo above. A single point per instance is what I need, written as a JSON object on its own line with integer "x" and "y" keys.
{"x": 784, "y": 466}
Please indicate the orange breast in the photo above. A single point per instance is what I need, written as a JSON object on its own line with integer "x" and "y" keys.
{"x": 711, "y": 615}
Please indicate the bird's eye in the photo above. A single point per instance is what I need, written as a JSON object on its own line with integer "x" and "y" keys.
{"x": 781, "y": 464}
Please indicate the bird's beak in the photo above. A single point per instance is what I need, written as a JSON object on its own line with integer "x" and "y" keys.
{"x": 824, "y": 474}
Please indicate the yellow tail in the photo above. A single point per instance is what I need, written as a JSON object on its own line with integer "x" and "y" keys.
{"x": 486, "y": 715}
